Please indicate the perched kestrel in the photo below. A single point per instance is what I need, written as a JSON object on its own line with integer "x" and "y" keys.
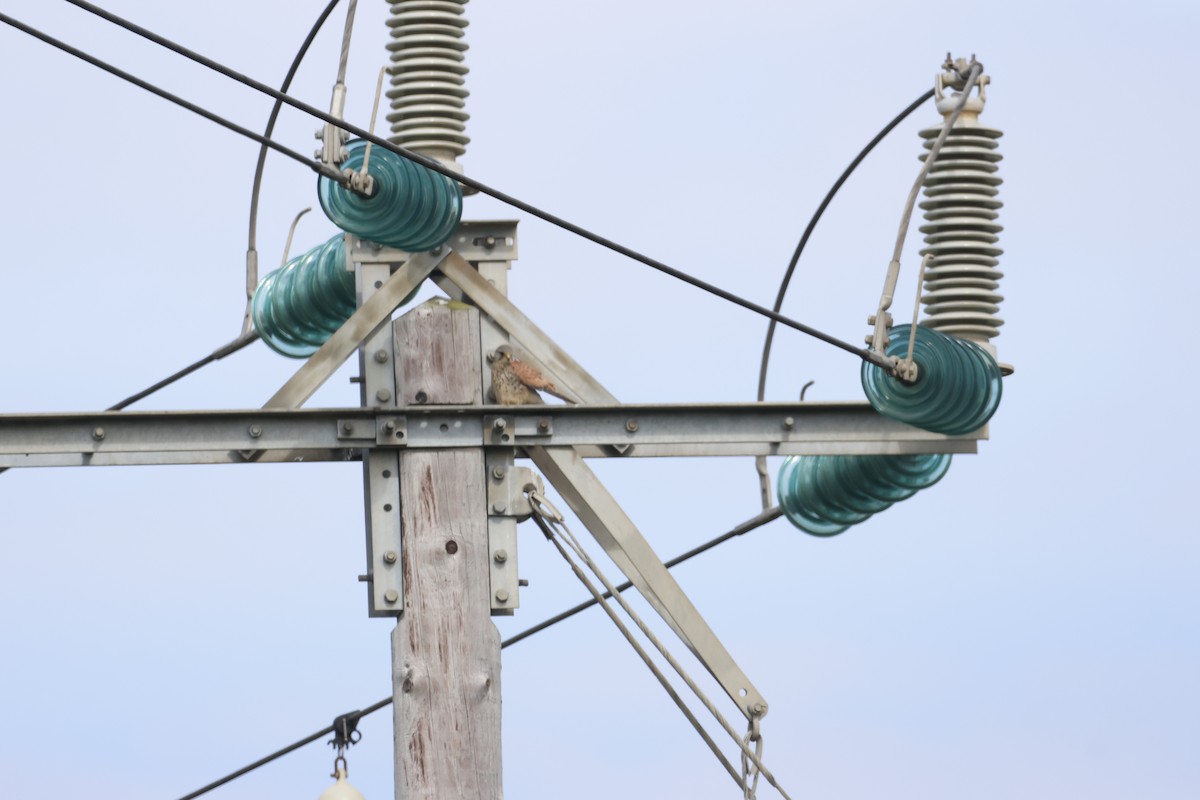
{"x": 515, "y": 383}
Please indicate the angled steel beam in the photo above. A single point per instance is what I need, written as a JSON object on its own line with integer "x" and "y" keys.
{"x": 565, "y": 371}
{"x": 630, "y": 551}
{"x": 365, "y": 320}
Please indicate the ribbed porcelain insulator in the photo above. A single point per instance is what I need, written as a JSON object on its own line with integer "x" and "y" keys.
{"x": 428, "y": 92}
{"x": 961, "y": 285}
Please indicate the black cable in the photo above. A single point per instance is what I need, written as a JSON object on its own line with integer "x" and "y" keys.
{"x": 275, "y": 109}
{"x": 812, "y": 223}
{"x": 436, "y": 166}
{"x": 179, "y": 101}
{"x": 745, "y": 527}
{"x": 216, "y": 355}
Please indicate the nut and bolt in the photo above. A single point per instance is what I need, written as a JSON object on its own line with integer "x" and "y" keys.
{"x": 347, "y": 427}
{"x": 631, "y": 425}
{"x": 98, "y": 433}
{"x": 381, "y": 356}
{"x": 255, "y": 431}
{"x": 502, "y": 595}
{"x": 489, "y": 241}
{"x": 543, "y": 424}
{"x": 391, "y": 595}
{"x": 498, "y": 473}
{"x": 522, "y": 581}
{"x": 758, "y": 709}
{"x": 383, "y": 395}
{"x": 390, "y": 557}
{"x": 451, "y": 547}
{"x": 500, "y": 556}
{"x": 389, "y": 426}
{"x": 499, "y": 507}
{"x": 499, "y": 424}
{"x": 789, "y": 423}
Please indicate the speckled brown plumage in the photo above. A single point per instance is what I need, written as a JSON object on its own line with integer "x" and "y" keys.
{"x": 514, "y": 383}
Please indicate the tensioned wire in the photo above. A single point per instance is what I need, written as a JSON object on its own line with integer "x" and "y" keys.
{"x": 436, "y": 166}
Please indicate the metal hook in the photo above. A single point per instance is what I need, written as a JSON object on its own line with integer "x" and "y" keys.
{"x": 287, "y": 248}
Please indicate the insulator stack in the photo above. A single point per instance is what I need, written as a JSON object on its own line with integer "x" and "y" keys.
{"x": 299, "y": 306}
{"x": 428, "y": 92}
{"x": 961, "y": 294}
{"x": 825, "y": 495}
{"x": 412, "y": 208}
{"x": 958, "y": 384}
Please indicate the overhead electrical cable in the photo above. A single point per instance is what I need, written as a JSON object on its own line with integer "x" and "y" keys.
{"x": 761, "y": 461}
{"x": 754, "y": 522}
{"x": 436, "y": 166}
{"x": 260, "y": 165}
{"x": 317, "y": 167}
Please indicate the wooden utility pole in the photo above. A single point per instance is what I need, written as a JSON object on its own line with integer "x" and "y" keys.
{"x": 445, "y": 648}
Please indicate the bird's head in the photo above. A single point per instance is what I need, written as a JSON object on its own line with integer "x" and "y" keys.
{"x": 504, "y": 353}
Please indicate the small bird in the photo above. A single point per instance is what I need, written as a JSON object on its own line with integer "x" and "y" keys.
{"x": 514, "y": 383}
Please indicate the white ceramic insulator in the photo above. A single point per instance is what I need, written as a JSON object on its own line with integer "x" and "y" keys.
{"x": 961, "y": 284}
{"x": 428, "y": 92}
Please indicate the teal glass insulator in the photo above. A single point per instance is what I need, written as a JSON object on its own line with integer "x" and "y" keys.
{"x": 299, "y": 306}
{"x": 825, "y": 495}
{"x": 413, "y": 208}
{"x": 958, "y": 384}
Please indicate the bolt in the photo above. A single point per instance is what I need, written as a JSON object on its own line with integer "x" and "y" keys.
{"x": 522, "y": 582}
{"x": 98, "y": 434}
{"x": 390, "y": 557}
{"x": 451, "y": 547}
{"x": 381, "y": 356}
{"x": 391, "y": 595}
{"x": 347, "y": 427}
{"x": 758, "y": 709}
{"x": 631, "y": 425}
{"x": 364, "y": 578}
{"x": 789, "y": 423}
{"x": 499, "y": 508}
{"x": 389, "y": 426}
{"x": 498, "y": 473}
{"x": 383, "y": 395}
{"x": 502, "y": 595}
{"x": 489, "y": 241}
{"x": 543, "y": 424}
{"x": 500, "y": 556}
{"x": 499, "y": 424}
{"x": 255, "y": 431}
{"x": 421, "y": 397}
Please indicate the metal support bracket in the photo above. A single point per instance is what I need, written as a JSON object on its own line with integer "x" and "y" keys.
{"x": 507, "y": 505}
{"x": 630, "y": 551}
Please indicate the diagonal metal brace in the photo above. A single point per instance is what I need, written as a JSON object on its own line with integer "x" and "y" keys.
{"x": 630, "y": 551}
{"x": 554, "y": 362}
{"x": 369, "y": 316}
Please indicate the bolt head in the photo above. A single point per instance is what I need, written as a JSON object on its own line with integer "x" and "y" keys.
{"x": 543, "y": 424}
{"x": 347, "y": 427}
{"x": 500, "y": 556}
{"x": 389, "y": 426}
{"x": 451, "y": 547}
{"x": 391, "y": 596}
{"x": 255, "y": 431}
{"x": 631, "y": 425}
{"x": 98, "y": 433}
{"x": 381, "y": 356}
{"x": 383, "y": 395}
{"x": 499, "y": 508}
{"x": 390, "y": 557}
{"x": 499, "y": 424}
{"x": 502, "y": 595}
{"x": 789, "y": 422}
{"x": 498, "y": 473}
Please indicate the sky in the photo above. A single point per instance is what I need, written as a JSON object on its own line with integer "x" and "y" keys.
{"x": 1026, "y": 628}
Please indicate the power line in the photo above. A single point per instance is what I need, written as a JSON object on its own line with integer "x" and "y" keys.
{"x": 757, "y": 521}
{"x": 867, "y": 355}
{"x": 328, "y": 172}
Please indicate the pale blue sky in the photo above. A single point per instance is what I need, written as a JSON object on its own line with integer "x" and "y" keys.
{"x": 1027, "y": 628}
